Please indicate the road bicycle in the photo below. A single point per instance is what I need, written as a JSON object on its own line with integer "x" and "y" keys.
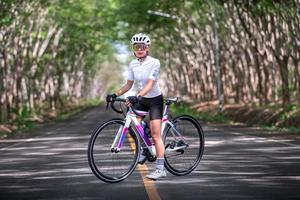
{"x": 115, "y": 146}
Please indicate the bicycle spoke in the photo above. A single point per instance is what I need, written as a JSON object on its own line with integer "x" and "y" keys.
{"x": 107, "y": 165}
{"x": 183, "y": 151}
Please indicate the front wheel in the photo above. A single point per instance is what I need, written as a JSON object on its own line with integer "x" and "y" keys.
{"x": 111, "y": 166}
{"x": 184, "y": 145}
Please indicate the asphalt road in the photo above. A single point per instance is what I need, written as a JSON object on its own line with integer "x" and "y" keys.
{"x": 50, "y": 162}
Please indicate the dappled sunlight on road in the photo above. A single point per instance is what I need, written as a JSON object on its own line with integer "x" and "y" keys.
{"x": 232, "y": 162}
{"x": 234, "y": 166}
{"x": 51, "y": 165}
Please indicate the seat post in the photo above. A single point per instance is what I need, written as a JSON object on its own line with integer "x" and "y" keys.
{"x": 168, "y": 102}
{"x": 166, "y": 109}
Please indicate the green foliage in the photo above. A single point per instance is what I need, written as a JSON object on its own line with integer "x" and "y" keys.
{"x": 285, "y": 114}
{"x": 24, "y": 113}
{"x": 85, "y": 30}
{"x": 84, "y": 44}
{"x": 292, "y": 130}
{"x": 6, "y": 16}
{"x": 22, "y": 117}
{"x": 180, "y": 109}
{"x": 74, "y": 109}
{"x": 90, "y": 28}
{"x": 219, "y": 117}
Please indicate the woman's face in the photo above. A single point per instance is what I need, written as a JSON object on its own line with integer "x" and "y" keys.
{"x": 140, "y": 50}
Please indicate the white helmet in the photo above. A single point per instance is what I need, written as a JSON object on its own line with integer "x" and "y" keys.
{"x": 140, "y": 38}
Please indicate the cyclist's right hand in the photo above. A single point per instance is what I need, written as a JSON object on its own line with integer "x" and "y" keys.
{"x": 110, "y": 97}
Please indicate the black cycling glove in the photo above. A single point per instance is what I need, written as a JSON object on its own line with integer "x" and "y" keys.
{"x": 134, "y": 99}
{"x": 110, "y": 97}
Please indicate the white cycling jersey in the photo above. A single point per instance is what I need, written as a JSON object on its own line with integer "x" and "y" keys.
{"x": 143, "y": 71}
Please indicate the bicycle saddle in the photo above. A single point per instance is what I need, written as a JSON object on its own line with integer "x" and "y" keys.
{"x": 170, "y": 100}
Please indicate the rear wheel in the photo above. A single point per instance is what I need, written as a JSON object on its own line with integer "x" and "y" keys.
{"x": 184, "y": 145}
{"x": 107, "y": 165}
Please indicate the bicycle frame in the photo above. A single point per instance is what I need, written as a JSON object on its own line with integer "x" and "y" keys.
{"x": 132, "y": 117}
{"x": 178, "y": 135}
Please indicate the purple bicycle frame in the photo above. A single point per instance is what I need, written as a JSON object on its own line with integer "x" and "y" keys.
{"x": 129, "y": 118}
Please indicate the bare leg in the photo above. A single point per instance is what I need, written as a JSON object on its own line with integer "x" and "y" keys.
{"x": 155, "y": 127}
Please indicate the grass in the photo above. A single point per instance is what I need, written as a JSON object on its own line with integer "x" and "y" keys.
{"x": 24, "y": 121}
{"x": 80, "y": 107}
{"x": 292, "y": 130}
{"x": 209, "y": 116}
{"x": 285, "y": 114}
{"x": 180, "y": 109}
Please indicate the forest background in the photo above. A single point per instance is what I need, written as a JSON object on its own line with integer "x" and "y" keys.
{"x": 228, "y": 61}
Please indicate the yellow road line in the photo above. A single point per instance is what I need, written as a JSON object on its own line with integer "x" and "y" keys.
{"x": 149, "y": 184}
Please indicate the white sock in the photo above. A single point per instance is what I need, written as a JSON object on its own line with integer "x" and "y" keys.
{"x": 160, "y": 163}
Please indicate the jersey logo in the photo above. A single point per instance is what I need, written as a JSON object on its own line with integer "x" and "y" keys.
{"x": 155, "y": 73}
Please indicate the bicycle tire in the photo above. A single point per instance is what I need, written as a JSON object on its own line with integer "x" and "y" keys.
{"x": 184, "y": 161}
{"x": 101, "y": 158}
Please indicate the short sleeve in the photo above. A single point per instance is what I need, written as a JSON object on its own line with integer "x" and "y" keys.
{"x": 130, "y": 75}
{"x": 154, "y": 73}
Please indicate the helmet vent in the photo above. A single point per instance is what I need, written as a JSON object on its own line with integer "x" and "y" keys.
{"x": 141, "y": 38}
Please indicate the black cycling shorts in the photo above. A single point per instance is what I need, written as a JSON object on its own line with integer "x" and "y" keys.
{"x": 152, "y": 105}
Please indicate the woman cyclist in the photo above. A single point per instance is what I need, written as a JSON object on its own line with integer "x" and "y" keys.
{"x": 145, "y": 70}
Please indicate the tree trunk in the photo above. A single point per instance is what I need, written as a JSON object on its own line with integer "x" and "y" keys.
{"x": 5, "y": 108}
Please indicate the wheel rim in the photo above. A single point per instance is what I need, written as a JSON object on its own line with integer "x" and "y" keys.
{"x": 184, "y": 160}
{"x": 107, "y": 165}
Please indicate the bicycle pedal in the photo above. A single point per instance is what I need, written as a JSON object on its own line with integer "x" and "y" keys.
{"x": 180, "y": 151}
{"x": 149, "y": 156}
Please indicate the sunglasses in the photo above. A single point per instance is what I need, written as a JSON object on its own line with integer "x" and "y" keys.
{"x": 137, "y": 47}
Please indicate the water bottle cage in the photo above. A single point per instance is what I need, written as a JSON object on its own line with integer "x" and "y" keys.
{"x": 146, "y": 129}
